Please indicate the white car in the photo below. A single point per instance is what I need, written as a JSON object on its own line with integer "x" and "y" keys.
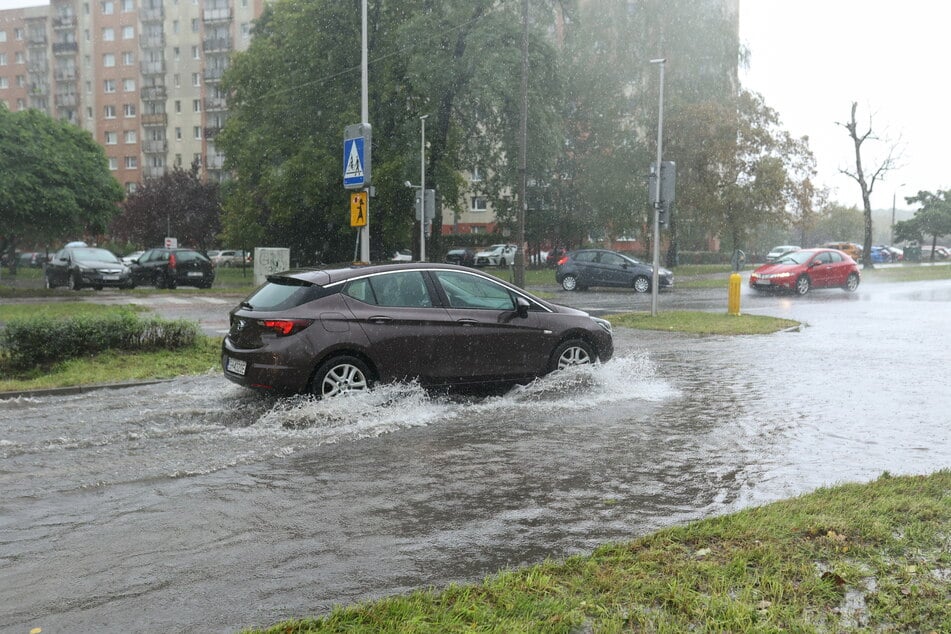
{"x": 403, "y": 255}
{"x": 496, "y": 255}
{"x": 778, "y": 252}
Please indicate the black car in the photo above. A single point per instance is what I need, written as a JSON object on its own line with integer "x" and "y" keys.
{"x": 169, "y": 268}
{"x": 78, "y": 267}
{"x": 327, "y": 331}
{"x": 578, "y": 270}
{"x": 462, "y": 256}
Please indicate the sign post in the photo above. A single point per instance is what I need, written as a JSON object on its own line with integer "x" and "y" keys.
{"x": 357, "y": 165}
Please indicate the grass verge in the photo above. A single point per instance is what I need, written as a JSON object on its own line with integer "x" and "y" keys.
{"x": 702, "y": 323}
{"x": 856, "y": 557}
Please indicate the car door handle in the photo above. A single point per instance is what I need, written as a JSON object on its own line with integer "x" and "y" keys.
{"x": 380, "y": 319}
{"x": 467, "y": 322}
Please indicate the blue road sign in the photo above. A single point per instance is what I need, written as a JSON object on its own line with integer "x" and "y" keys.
{"x": 356, "y": 159}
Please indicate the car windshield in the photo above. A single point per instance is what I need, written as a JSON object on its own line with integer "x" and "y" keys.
{"x": 796, "y": 257}
{"x": 94, "y": 255}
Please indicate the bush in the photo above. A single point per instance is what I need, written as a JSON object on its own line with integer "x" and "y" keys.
{"x": 39, "y": 341}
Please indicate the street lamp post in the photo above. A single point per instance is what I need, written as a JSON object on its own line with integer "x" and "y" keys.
{"x": 655, "y": 277}
{"x": 891, "y": 234}
{"x": 422, "y": 188}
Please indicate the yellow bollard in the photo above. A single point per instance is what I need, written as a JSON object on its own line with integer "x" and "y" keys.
{"x": 733, "y": 301}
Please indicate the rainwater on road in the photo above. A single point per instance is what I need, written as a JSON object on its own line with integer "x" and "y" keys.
{"x": 194, "y": 505}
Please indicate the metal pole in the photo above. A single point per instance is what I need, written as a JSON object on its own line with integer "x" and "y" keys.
{"x": 364, "y": 118}
{"x": 655, "y": 277}
{"x": 422, "y": 188}
{"x": 522, "y": 157}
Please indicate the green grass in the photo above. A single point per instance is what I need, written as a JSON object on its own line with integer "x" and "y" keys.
{"x": 702, "y": 323}
{"x": 56, "y": 310}
{"x": 877, "y": 554}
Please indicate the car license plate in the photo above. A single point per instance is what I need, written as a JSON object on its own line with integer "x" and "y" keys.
{"x": 762, "y": 282}
{"x": 195, "y": 274}
{"x": 237, "y": 366}
{"x": 110, "y": 278}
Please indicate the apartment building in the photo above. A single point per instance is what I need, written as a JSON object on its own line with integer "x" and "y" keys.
{"x": 142, "y": 76}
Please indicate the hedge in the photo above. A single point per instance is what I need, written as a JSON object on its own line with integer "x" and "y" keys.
{"x": 38, "y": 341}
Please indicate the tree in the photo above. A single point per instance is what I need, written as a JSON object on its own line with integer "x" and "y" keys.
{"x": 54, "y": 181}
{"x": 867, "y": 185}
{"x": 933, "y": 219}
{"x": 177, "y": 204}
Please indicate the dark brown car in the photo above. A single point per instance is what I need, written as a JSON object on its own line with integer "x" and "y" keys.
{"x": 337, "y": 330}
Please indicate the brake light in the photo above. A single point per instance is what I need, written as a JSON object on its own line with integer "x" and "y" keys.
{"x": 562, "y": 260}
{"x": 171, "y": 261}
{"x": 285, "y": 327}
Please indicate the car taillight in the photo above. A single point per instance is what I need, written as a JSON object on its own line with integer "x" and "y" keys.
{"x": 562, "y": 260}
{"x": 285, "y": 327}
{"x": 171, "y": 261}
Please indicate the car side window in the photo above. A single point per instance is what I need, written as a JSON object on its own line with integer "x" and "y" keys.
{"x": 611, "y": 259}
{"x": 835, "y": 257}
{"x": 403, "y": 289}
{"x": 472, "y": 291}
{"x": 586, "y": 256}
{"x": 361, "y": 290}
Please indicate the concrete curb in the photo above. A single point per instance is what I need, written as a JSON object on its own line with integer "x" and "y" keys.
{"x": 78, "y": 389}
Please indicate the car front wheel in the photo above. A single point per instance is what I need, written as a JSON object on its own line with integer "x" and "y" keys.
{"x": 49, "y": 282}
{"x": 341, "y": 375}
{"x": 571, "y": 352}
{"x": 852, "y": 283}
{"x": 642, "y": 284}
{"x": 569, "y": 283}
{"x": 73, "y": 283}
{"x": 803, "y": 285}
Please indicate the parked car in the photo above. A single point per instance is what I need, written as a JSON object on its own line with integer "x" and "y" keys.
{"x": 781, "y": 250}
{"x": 340, "y": 330}
{"x": 463, "y": 256}
{"x": 496, "y": 255}
{"x": 127, "y": 259}
{"x": 880, "y": 254}
{"x": 230, "y": 257}
{"x": 552, "y": 257}
{"x": 78, "y": 267}
{"x": 31, "y": 259}
{"x": 578, "y": 270}
{"x": 168, "y": 268}
{"x": 940, "y": 252}
{"x": 403, "y": 255}
{"x": 806, "y": 269}
{"x": 851, "y": 249}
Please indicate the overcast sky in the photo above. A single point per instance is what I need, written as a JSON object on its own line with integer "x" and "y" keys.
{"x": 810, "y": 59}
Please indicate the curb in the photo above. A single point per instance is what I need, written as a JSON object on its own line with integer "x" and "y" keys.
{"x": 77, "y": 389}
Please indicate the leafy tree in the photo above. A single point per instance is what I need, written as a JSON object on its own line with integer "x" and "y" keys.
{"x": 866, "y": 183}
{"x": 177, "y": 204}
{"x": 836, "y": 223}
{"x": 933, "y": 219}
{"x": 54, "y": 181}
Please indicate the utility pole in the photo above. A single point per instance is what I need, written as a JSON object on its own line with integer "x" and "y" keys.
{"x": 522, "y": 159}
{"x": 422, "y": 188}
{"x": 655, "y": 277}
{"x": 364, "y": 118}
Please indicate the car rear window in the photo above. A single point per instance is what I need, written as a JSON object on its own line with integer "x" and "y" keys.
{"x": 189, "y": 256}
{"x": 284, "y": 293}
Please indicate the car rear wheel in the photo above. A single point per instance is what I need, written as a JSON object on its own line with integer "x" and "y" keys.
{"x": 569, "y": 283}
{"x": 49, "y": 282}
{"x": 803, "y": 285}
{"x": 571, "y": 352}
{"x": 73, "y": 283}
{"x": 642, "y": 284}
{"x": 158, "y": 280}
{"x": 341, "y": 375}
{"x": 852, "y": 283}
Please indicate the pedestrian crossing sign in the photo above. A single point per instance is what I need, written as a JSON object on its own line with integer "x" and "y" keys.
{"x": 356, "y": 156}
{"x": 358, "y": 209}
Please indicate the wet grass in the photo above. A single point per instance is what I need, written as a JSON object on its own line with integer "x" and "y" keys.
{"x": 702, "y": 323}
{"x": 55, "y": 310}
{"x": 856, "y": 557}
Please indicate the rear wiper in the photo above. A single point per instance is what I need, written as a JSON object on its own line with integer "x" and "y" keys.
{"x": 246, "y": 305}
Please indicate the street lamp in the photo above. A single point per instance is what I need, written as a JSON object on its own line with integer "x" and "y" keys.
{"x": 655, "y": 277}
{"x": 891, "y": 234}
{"x": 422, "y": 187}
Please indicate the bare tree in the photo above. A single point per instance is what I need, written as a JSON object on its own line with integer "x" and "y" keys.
{"x": 867, "y": 184}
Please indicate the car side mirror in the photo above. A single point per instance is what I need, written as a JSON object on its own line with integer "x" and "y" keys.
{"x": 521, "y": 307}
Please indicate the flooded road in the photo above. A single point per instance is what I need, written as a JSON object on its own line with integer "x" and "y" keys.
{"x": 194, "y": 505}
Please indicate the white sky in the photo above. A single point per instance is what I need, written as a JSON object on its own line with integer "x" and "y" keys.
{"x": 810, "y": 59}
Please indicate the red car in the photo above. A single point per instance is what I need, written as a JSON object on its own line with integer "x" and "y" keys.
{"x": 802, "y": 270}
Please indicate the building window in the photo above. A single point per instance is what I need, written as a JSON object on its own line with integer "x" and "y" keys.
{"x": 108, "y": 34}
{"x": 478, "y": 204}
{"x": 196, "y": 25}
{"x": 109, "y": 112}
{"x": 113, "y": 163}
{"x": 132, "y": 162}
{"x": 196, "y": 79}
{"x": 130, "y": 187}
{"x": 197, "y": 132}
{"x": 108, "y": 7}
{"x": 109, "y": 85}
{"x": 197, "y": 160}
{"x": 130, "y": 136}
{"x": 19, "y": 58}
{"x": 18, "y": 34}
{"x": 128, "y": 32}
{"x": 178, "y": 160}
{"x": 128, "y": 85}
{"x": 3, "y": 36}
{"x": 128, "y": 109}
{"x": 4, "y": 83}
{"x": 128, "y": 58}
{"x": 21, "y": 81}
{"x": 196, "y": 53}
{"x": 178, "y": 107}
{"x": 3, "y": 59}
{"x": 108, "y": 60}
{"x": 196, "y": 105}
{"x": 178, "y": 134}
{"x": 177, "y": 79}
{"x": 112, "y": 138}
{"x": 476, "y": 175}
{"x": 175, "y": 26}
{"x": 128, "y": 5}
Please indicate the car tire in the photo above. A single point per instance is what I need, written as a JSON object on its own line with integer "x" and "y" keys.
{"x": 803, "y": 284}
{"x": 49, "y": 282}
{"x": 341, "y": 375}
{"x": 73, "y": 283}
{"x": 569, "y": 283}
{"x": 852, "y": 283}
{"x": 97, "y": 288}
{"x": 502, "y": 263}
{"x": 158, "y": 280}
{"x": 641, "y": 284}
{"x": 571, "y": 352}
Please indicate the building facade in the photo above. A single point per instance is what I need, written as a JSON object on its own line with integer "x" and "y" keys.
{"x": 142, "y": 76}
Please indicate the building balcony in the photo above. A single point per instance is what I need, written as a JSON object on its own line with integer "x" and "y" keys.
{"x": 154, "y": 93}
{"x": 38, "y": 89}
{"x": 70, "y": 100}
{"x": 153, "y": 68}
{"x": 152, "y": 40}
{"x": 215, "y": 44}
{"x": 217, "y": 15}
{"x": 36, "y": 39}
{"x": 64, "y": 22}
{"x": 65, "y": 48}
{"x": 211, "y": 132}
{"x": 152, "y": 14}
{"x": 153, "y": 172}
{"x": 213, "y": 104}
{"x": 214, "y": 74}
{"x": 215, "y": 162}
{"x": 155, "y": 147}
{"x": 65, "y": 74}
{"x": 160, "y": 119}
